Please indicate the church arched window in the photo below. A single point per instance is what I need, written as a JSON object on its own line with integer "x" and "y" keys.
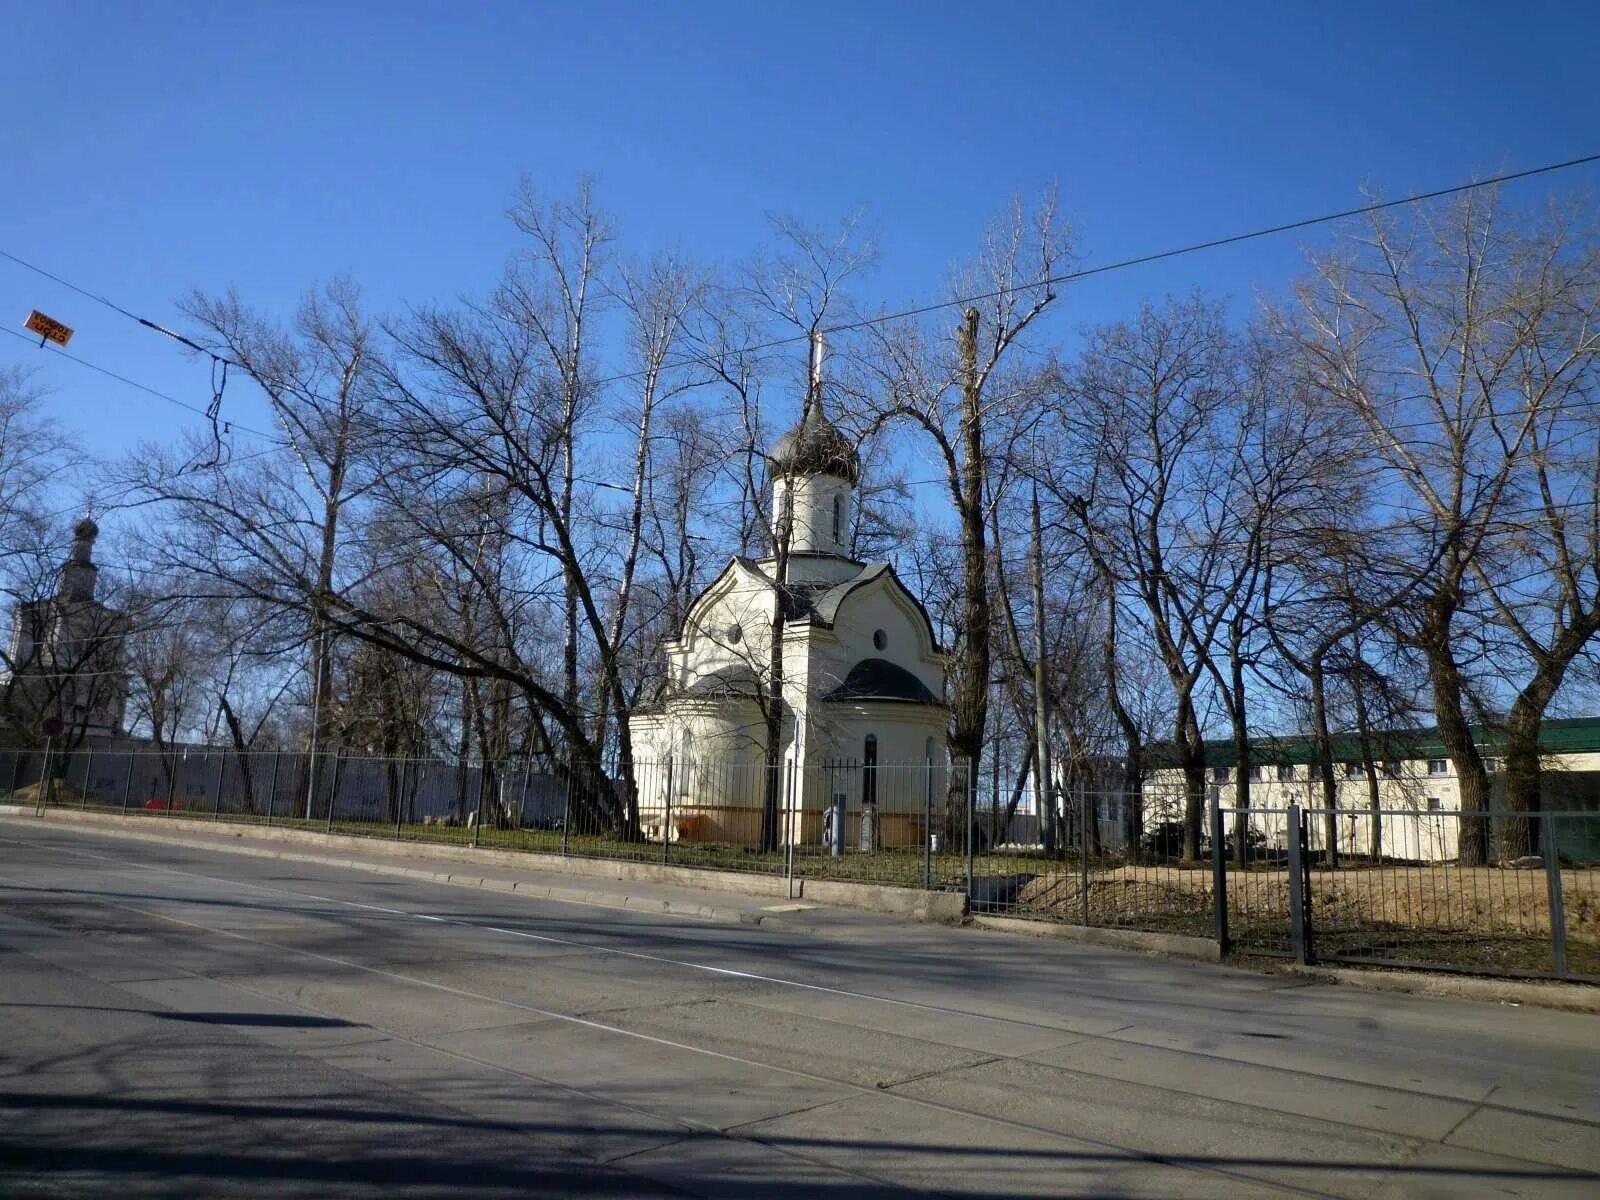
{"x": 838, "y": 518}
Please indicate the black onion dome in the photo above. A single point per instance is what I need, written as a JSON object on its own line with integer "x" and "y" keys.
{"x": 816, "y": 447}
{"x": 86, "y": 529}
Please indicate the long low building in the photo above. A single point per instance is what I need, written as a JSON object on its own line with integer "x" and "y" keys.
{"x": 1417, "y": 790}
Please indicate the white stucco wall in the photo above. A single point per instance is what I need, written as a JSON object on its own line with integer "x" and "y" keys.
{"x": 1418, "y": 807}
{"x": 814, "y": 528}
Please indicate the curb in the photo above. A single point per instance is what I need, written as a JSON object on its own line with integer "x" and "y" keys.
{"x": 936, "y": 908}
{"x": 1557, "y": 994}
{"x": 1168, "y": 945}
{"x": 469, "y": 879}
{"x": 940, "y": 908}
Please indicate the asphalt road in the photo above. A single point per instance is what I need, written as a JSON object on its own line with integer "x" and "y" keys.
{"x": 178, "y": 1022}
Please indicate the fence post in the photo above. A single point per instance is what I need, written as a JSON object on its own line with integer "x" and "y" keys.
{"x": 566, "y": 809}
{"x": 88, "y": 778}
{"x": 272, "y": 788}
{"x": 333, "y": 790}
{"x": 788, "y": 835}
{"x": 927, "y": 830}
{"x": 1085, "y": 807}
{"x": 1558, "y": 913}
{"x": 127, "y": 781}
{"x": 839, "y": 808}
{"x": 216, "y": 800}
{"x": 172, "y": 783}
{"x": 44, "y": 780}
{"x": 1219, "y": 880}
{"x": 1299, "y": 910}
{"x": 666, "y": 817}
{"x": 400, "y": 799}
{"x": 477, "y": 812}
{"x": 522, "y": 801}
{"x": 969, "y": 788}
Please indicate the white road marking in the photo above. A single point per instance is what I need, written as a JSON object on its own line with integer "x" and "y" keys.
{"x": 1117, "y": 1152}
{"x": 847, "y": 993}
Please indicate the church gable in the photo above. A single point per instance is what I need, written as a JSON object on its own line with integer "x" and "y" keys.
{"x": 726, "y": 628}
{"x": 877, "y": 602}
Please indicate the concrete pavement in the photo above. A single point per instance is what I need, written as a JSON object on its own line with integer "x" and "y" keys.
{"x": 179, "y": 1021}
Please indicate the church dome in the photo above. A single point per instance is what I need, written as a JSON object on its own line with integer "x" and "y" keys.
{"x": 816, "y": 447}
{"x": 880, "y": 679}
{"x": 86, "y": 530}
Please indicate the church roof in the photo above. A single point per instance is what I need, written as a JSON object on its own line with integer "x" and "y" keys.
{"x": 880, "y": 679}
{"x": 816, "y": 447}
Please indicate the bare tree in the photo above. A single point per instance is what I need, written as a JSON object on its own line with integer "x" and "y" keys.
{"x": 1458, "y": 337}
{"x": 946, "y": 391}
{"x": 1150, "y": 405}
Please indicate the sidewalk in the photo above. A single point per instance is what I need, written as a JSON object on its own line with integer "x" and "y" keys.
{"x": 435, "y": 864}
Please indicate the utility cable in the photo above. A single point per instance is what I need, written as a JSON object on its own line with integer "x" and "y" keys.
{"x": 956, "y": 302}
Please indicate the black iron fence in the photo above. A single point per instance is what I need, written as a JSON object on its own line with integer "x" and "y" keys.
{"x": 1296, "y": 882}
{"x": 902, "y": 824}
{"x": 1411, "y": 902}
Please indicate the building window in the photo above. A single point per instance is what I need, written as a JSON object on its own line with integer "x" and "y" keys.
{"x": 880, "y": 639}
{"x": 1222, "y": 774}
{"x": 1433, "y": 804}
{"x": 1256, "y": 773}
{"x": 869, "y": 770}
{"x": 1438, "y": 766}
{"x": 838, "y": 519}
{"x": 1353, "y": 770}
{"x": 1285, "y": 772}
{"x": 735, "y": 635}
{"x": 1392, "y": 769}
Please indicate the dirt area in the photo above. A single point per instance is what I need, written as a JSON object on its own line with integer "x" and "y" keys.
{"x": 1437, "y": 898}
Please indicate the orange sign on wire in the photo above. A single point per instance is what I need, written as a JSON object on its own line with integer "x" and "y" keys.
{"x": 48, "y": 328}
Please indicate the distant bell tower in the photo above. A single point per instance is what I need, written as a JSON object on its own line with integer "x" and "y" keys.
{"x": 815, "y": 469}
{"x": 78, "y": 573}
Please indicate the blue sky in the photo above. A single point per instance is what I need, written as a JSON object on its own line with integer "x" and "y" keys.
{"x": 150, "y": 149}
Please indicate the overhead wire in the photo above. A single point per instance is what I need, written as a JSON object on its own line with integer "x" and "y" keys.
{"x": 207, "y": 412}
{"x": 935, "y": 306}
{"x": 221, "y": 363}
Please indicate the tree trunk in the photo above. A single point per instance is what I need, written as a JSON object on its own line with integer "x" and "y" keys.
{"x": 1241, "y": 758}
{"x": 1322, "y": 736}
{"x": 1523, "y": 767}
{"x": 1444, "y": 674}
{"x": 236, "y": 735}
{"x": 774, "y": 708}
{"x": 969, "y": 717}
{"x": 1002, "y": 827}
{"x": 1133, "y": 799}
{"x": 1044, "y": 782}
{"x": 1191, "y": 747}
{"x": 1241, "y": 772}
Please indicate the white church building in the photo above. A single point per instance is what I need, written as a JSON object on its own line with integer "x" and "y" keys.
{"x": 863, "y": 675}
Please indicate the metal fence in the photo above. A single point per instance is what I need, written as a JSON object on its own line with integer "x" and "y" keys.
{"x": 1412, "y": 902}
{"x": 1304, "y": 883}
{"x": 892, "y": 823}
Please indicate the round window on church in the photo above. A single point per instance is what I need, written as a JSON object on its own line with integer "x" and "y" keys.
{"x": 735, "y": 635}
{"x": 880, "y": 639}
